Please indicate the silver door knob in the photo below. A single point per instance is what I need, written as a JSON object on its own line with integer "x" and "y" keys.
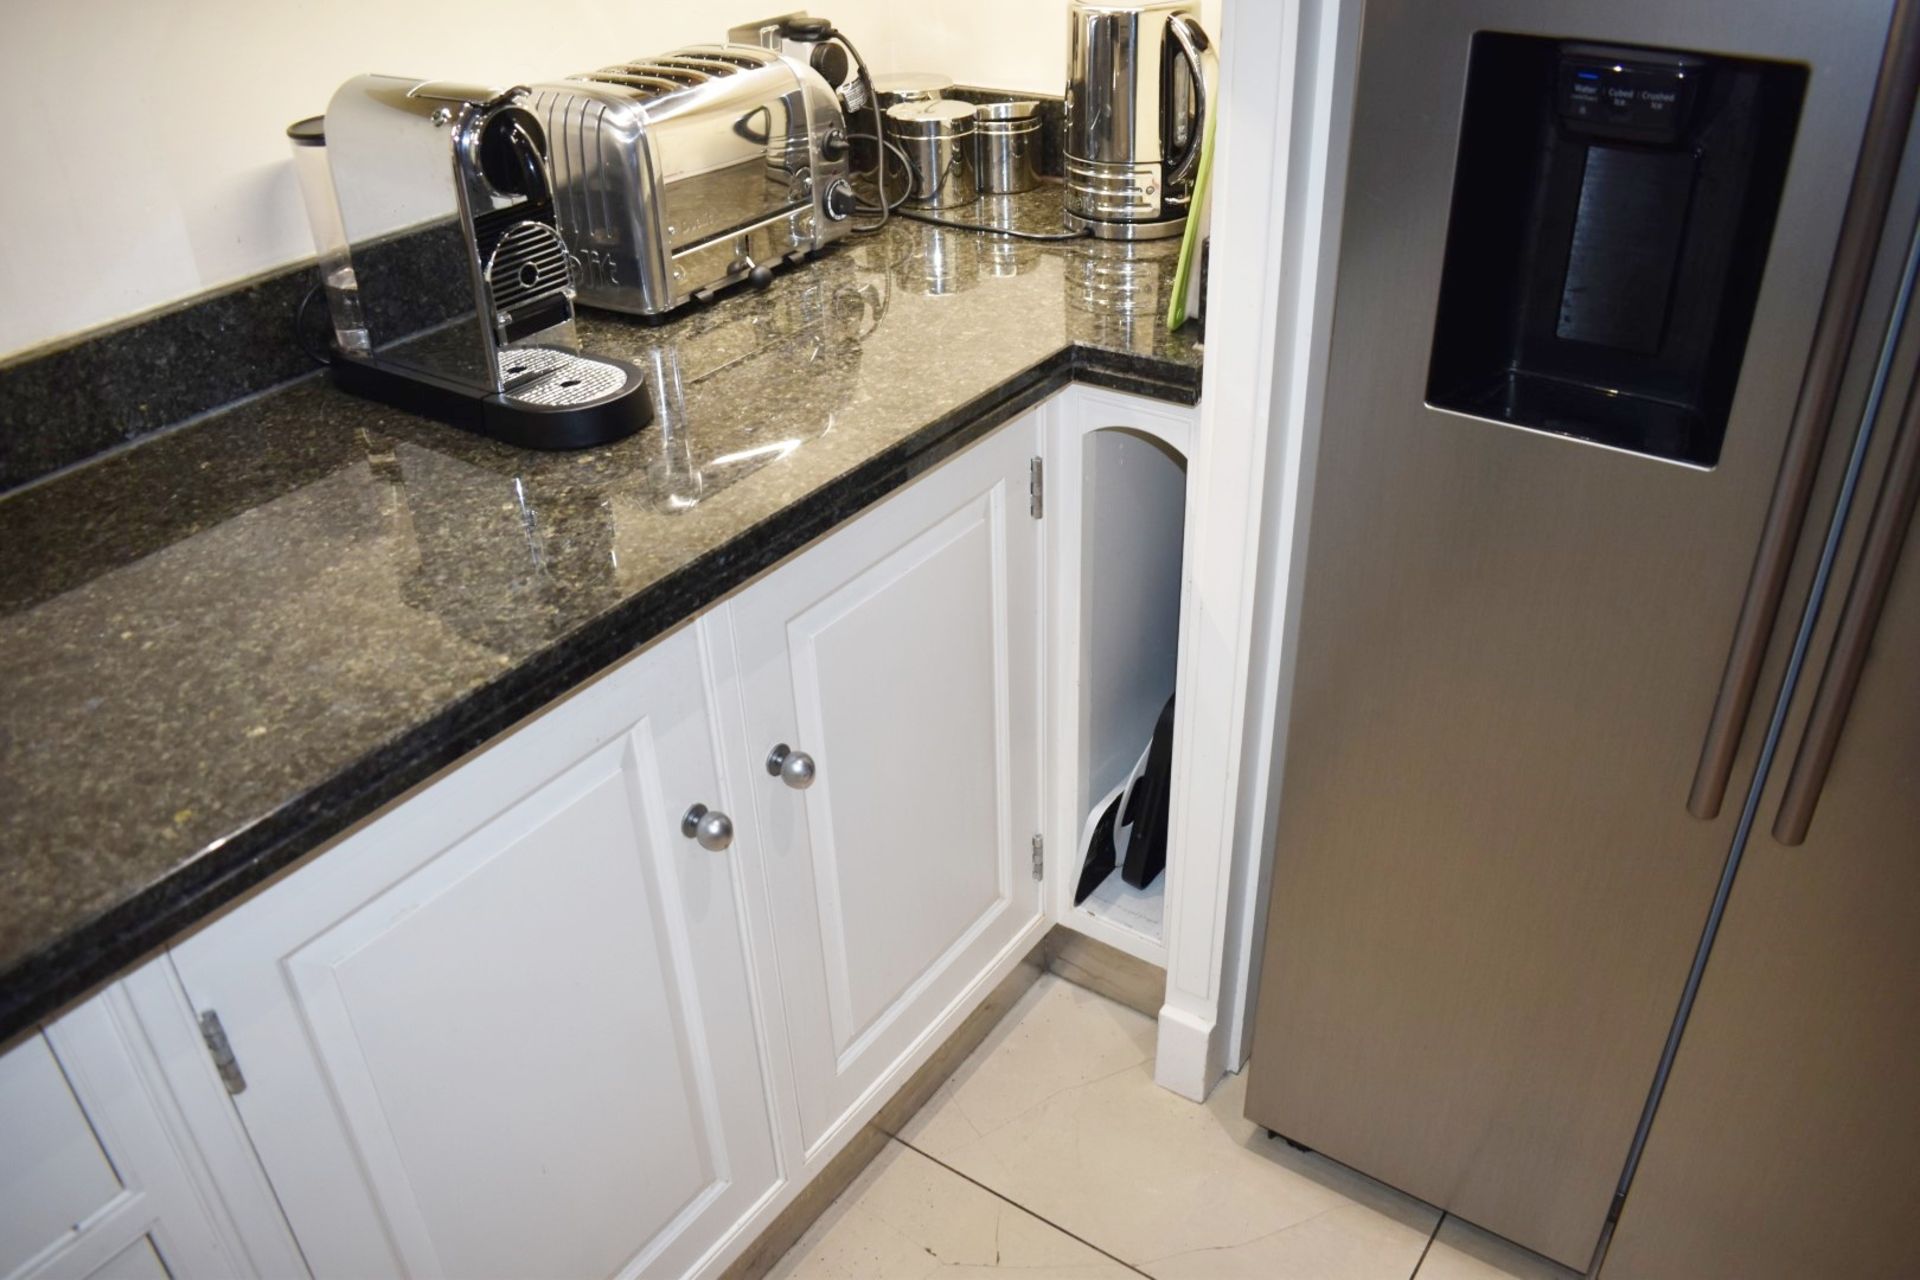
{"x": 711, "y": 829}
{"x": 795, "y": 768}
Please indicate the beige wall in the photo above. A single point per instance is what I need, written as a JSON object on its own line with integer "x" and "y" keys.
{"x": 1002, "y": 44}
{"x": 144, "y": 160}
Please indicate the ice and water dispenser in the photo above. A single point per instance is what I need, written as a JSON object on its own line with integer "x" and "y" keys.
{"x": 1611, "y": 213}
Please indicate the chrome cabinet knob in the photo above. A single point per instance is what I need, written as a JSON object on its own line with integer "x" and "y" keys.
{"x": 711, "y": 829}
{"x": 795, "y": 768}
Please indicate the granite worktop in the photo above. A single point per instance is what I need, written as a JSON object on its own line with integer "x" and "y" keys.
{"x": 226, "y": 644}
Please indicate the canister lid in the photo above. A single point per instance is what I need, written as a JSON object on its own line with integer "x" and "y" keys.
{"x": 910, "y": 86}
{"x": 942, "y": 117}
{"x": 1007, "y": 119}
{"x": 1019, "y": 109}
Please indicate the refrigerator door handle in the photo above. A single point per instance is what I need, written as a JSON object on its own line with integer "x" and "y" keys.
{"x": 1833, "y": 338}
{"x": 1853, "y": 640}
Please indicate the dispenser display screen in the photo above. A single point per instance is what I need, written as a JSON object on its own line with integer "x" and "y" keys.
{"x": 1642, "y": 98}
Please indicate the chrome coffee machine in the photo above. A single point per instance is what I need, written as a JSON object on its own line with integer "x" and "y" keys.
{"x": 1135, "y": 115}
{"x": 446, "y": 277}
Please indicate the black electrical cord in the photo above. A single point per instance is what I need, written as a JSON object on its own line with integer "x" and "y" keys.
{"x": 880, "y": 156}
{"x": 984, "y": 228}
{"x": 987, "y": 229}
{"x": 882, "y": 146}
{"x": 816, "y": 30}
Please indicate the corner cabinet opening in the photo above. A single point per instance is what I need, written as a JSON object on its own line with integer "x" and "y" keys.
{"x": 1118, "y": 557}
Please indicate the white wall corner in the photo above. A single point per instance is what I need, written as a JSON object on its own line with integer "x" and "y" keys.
{"x": 1226, "y": 488}
{"x": 1321, "y": 122}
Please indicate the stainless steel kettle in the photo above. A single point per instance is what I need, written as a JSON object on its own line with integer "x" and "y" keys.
{"x": 1135, "y": 115}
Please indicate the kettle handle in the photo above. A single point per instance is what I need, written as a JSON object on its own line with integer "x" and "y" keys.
{"x": 1192, "y": 40}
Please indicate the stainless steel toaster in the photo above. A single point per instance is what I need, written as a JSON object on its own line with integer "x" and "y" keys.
{"x": 680, "y": 175}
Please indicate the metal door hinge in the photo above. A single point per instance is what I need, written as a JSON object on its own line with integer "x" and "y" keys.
{"x": 1039, "y": 856}
{"x": 222, "y": 1052}
{"x": 1036, "y": 488}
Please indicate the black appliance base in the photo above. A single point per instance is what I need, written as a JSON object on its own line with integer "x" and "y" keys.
{"x": 514, "y": 422}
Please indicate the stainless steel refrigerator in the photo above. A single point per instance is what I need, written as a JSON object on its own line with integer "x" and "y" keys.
{"x": 1596, "y": 886}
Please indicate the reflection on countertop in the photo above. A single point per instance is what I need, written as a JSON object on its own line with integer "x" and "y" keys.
{"x": 226, "y": 644}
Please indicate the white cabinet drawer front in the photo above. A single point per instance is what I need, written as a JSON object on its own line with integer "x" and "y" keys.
{"x": 901, "y": 653}
{"x": 530, "y": 1051}
{"x": 137, "y": 1261}
{"x": 53, "y": 1174}
{"x": 95, "y": 1177}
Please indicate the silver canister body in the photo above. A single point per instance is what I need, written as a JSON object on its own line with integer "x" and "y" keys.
{"x": 1135, "y": 114}
{"x": 1006, "y": 138}
{"x": 937, "y": 139}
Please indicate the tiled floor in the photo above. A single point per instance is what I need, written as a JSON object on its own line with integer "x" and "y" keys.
{"x": 1051, "y": 1153}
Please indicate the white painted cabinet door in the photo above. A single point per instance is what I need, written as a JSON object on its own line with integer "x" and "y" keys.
{"x": 65, "y": 1210}
{"x": 95, "y": 1176}
{"x": 902, "y": 654}
{"x": 507, "y": 1029}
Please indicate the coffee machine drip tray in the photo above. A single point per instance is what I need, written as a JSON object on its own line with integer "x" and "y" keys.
{"x": 1598, "y": 415}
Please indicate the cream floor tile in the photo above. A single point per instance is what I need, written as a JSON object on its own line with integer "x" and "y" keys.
{"x": 1462, "y": 1251}
{"x": 1057, "y": 1036}
{"x": 1357, "y": 1241}
{"x": 1148, "y": 1176}
{"x": 906, "y": 1218}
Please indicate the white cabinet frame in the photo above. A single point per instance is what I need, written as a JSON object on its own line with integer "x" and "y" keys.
{"x": 1286, "y": 71}
{"x": 1073, "y": 419}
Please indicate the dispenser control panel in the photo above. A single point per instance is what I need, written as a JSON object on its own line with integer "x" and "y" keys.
{"x": 1632, "y": 94}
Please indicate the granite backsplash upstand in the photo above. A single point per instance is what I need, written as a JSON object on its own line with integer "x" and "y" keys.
{"x": 71, "y": 401}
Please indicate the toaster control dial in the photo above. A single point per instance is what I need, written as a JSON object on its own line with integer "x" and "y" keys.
{"x": 834, "y": 145}
{"x": 840, "y": 200}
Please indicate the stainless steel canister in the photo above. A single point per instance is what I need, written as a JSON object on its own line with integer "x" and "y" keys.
{"x": 937, "y": 138}
{"x": 1006, "y": 143}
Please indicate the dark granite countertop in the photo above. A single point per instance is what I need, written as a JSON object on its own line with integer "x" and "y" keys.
{"x": 226, "y": 644}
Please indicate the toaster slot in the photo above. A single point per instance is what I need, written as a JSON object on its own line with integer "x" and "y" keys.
{"x": 744, "y": 60}
{"x": 686, "y": 77}
{"x": 687, "y": 62}
{"x": 645, "y": 87}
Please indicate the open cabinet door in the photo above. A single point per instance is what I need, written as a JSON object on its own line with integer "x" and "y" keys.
{"x": 899, "y": 659}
